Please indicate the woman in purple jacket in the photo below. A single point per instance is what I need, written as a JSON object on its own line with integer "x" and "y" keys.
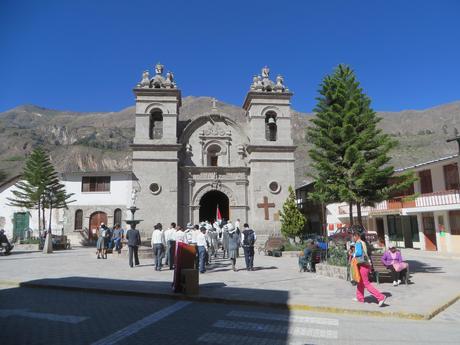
{"x": 392, "y": 259}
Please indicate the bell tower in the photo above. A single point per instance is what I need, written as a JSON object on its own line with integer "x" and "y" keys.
{"x": 155, "y": 148}
{"x": 271, "y": 150}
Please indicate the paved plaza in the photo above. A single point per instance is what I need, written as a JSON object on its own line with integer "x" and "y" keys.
{"x": 276, "y": 282}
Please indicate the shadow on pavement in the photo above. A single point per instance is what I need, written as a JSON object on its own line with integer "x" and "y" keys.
{"x": 98, "y": 290}
{"x": 416, "y": 266}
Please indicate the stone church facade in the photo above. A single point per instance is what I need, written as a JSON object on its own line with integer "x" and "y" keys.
{"x": 184, "y": 170}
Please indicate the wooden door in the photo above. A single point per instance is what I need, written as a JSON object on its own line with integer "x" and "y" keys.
{"x": 95, "y": 221}
{"x": 426, "y": 184}
{"x": 430, "y": 233}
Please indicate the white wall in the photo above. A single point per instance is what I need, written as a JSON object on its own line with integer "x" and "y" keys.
{"x": 120, "y": 190}
{"x": 7, "y": 214}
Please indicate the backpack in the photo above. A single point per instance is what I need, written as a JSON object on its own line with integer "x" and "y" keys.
{"x": 249, "y": 238}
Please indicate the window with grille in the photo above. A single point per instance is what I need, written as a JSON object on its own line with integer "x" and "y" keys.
{"x": 78, "y": 220}
{"x": 95, "y": 184}
{"x": 117, "y": 216}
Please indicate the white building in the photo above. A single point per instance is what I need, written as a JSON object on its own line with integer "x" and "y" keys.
{"x": 427, "y": 216}
{"x": 98, "y": 197}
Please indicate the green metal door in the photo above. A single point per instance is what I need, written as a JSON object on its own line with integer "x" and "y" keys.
{"x": 21, "y": 223}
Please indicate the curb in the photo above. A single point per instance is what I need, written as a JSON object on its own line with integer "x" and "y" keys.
{"x": 8, "y": 283}
{"x": 275, "y": 305}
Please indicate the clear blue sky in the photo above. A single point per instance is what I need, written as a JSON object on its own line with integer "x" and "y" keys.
{"x": 87, "y": 55}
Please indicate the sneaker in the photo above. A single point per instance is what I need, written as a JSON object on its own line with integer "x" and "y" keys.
{"x": 395, "y": 283}
{"x": 355, "y": 299}
{"x": 399, "y": 281}
{"x": 382, "y": 302}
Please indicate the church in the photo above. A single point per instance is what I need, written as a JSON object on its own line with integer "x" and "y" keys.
{"x": 185, "y": 167}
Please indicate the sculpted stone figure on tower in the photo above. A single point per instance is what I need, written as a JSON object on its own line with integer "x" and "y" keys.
{"x": 158, "y": 81}
{"x": 263, "y": 82}
{"x": 145, "y": 79}
{"x": 159, "y": 68}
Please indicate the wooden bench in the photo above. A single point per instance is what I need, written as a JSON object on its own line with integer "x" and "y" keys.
{"x": 381, "y": 271}
{"x": 273, "y": 246}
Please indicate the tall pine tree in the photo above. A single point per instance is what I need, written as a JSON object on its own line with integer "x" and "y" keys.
{"x": 292, "y": 220}
{"x": 350, "y": 154}
{"x": 39, "y": 187}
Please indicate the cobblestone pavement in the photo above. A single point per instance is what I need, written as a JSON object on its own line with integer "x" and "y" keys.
{"x": 42, "y": 316}
{"x": 275, "y": 280}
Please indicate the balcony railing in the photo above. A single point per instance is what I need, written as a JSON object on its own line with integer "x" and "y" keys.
{"x": 448, "y": 197}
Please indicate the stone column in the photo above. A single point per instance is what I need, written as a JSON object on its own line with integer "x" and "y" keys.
{"x": 436, "y": 227}
{"x": 202, "y": 152}
{"x": 447, "y": 231}
{"x": 191, "y": 183}
{"x": 421, "y": 235}
{"x": 228, "y": 153}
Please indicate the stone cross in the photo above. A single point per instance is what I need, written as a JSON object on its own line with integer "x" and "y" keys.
{"x": 266, "y": 205}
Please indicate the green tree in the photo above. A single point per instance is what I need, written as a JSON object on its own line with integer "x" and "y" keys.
{"x": 292, "y": 220}
{"x": 39, "y": 187}
{"x": 350, "y": 153}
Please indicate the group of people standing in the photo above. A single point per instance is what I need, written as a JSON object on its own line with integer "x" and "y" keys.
{"x": 108, "y": 239}
{"x": 207, "y": 238}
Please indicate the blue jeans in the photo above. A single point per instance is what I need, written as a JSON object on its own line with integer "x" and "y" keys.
{"x": 117, "y": 243}
{"x": 202, "y": 258}
{"x": 158, "y": 252}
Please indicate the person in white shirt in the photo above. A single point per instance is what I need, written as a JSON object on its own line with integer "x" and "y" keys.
{"x": 202, "y": 248}
{"x": 188, "y": 233}
{"x": 158, "y": 242}
{"x": 170, "y": 241}
{"x": 180, "y": 236}
{"x": 218, "y": 228}
{"x": 195, "y": 232}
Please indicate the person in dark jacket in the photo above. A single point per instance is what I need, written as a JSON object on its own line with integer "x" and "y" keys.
{"x": 134, "y": 241}
{"x": 248, "y": 239}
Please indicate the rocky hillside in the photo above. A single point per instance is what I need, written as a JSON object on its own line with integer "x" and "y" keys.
{"x": 100, "y": 141}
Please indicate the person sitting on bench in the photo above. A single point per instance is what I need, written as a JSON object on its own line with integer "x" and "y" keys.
{"x": 392, "y": 260}
{"x": 308, "y": 256}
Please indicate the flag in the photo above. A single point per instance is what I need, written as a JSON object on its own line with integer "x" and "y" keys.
{"x": 218, "y": 214}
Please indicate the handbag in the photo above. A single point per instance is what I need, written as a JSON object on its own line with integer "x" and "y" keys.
{"x": 363, "y": 259}
{"x": 400, "y": 266}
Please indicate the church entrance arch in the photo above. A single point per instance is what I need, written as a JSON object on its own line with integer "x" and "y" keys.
{"x": 209, "y": 203}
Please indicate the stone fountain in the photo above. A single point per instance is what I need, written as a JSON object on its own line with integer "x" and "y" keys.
{"x": 144, "y": 251}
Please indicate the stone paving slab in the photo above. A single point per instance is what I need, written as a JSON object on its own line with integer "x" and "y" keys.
{"x": 276, "y": 282}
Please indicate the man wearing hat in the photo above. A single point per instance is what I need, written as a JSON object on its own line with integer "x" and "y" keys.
{"x": 188, "y": 233}
{"x": 158, "y": 242}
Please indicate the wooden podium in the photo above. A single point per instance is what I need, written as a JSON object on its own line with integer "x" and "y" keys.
{"x": 185, "y": 272}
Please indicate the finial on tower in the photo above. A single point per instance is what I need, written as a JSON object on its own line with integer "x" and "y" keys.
{"x": 264, "y": 84}
{"x": 158, "y": 81}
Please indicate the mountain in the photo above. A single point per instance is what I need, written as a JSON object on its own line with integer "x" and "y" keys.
{"x": 99, "y": 141}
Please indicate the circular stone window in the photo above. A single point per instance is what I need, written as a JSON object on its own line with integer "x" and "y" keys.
{"x": 274, "y": 187}
{"x": 155, "y": 188}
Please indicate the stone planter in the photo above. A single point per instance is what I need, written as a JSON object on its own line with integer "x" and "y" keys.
{"x": 338, "y": 272}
